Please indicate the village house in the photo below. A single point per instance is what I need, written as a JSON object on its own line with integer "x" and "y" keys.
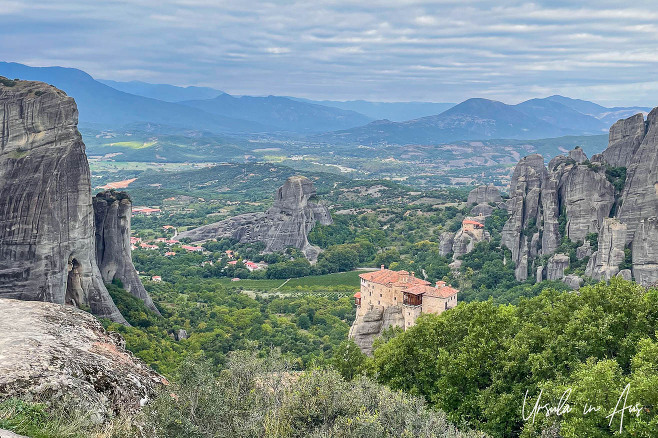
{"x": 156, "y": 278}
{"x": 145, "y": 211}
{"x": 192, "y": 248}
{"x": 386, "y": 288}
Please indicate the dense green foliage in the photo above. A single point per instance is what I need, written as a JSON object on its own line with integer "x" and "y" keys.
{"x": 262, "y": 398}
{"x": 305, "y": 327}
{"x": 477, "y": 361}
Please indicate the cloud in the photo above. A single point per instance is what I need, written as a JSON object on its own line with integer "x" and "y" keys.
{"x": 384, "y": 50}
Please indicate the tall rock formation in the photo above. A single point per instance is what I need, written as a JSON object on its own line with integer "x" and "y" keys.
{"x": 112, "y": 215}
{"x": 285, "y": 224}
{"x": 624, "y": 140}
{"x": 604, "y": 263}
{"x": 524, "y": 209}
{"x": 639, "y": 199}
{"x": 47, "y": 248}
{"x": 645, "y": 252}
{"x": 587, "y": 196}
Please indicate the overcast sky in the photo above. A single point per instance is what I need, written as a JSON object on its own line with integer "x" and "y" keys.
{"x": 388, "y": 50}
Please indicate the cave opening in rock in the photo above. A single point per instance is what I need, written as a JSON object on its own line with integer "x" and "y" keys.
{"x": 74, "y": 292}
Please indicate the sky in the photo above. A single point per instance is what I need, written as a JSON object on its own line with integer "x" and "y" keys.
{"x": 386, "y": 50}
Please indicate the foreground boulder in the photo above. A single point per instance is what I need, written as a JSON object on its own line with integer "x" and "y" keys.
{"x": 52, "y": 353}
{"x": 285, "y": 224}
{"x": 47, "y": 250}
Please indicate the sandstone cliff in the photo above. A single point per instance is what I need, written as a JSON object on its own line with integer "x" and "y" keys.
{"x": 57, "y": 353}
{"x": 484, "y": 195}
{"x": 367, "y": 328}
{"x": 285, "y": 224}
{"x": 47, "y": 248}
{"x": 112, "y": 215}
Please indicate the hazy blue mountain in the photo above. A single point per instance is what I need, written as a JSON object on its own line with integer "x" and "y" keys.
{"x": 103, "y": 105}
{"x": 606, "y": 115}
{"x": 394, "y": 111}
{"x": 281, "y": 112}
{"x": 473, "y": 119}
{"x": 563, "y": 116}
{"x": 165, "y": 92}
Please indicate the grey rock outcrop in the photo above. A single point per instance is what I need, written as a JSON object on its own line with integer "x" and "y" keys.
{"x": 624, "y": 140}
{"x": 483, "y": 210}
{"x": 556, "y": 266}
{"x": 112, "y": 216}
{"x": 180, "y": 334}
{"x": 367, "y": 328}
{"x": 61, "y": 354}
{"x": 10, "y": 434}
{"x": 539, "y": 276}
{"x": 484, "y": 195}
{"x": 604, "y": 263}
{"x": 640, "y": 194}
{"x": 47, "y": 243}
{"x": 645, "y": 252}
{"x": 588, "y": 197}
{"x": 573, "y": 281}
{"x": 523, "y": 207}
{"x": 626, "y": 274}
{"x": 577, "y": 155}
{"x": 465, "y": 241}
{"x": 446, "y": 241}
{"x": 285, "y": 224}
{"x": 585, "y": 250}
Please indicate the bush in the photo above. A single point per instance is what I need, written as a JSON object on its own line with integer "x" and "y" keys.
{"x": 261, "y": 398}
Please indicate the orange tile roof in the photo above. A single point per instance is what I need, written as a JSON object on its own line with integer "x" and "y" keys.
{"x": 357, "y": 295}
{"x": 386, "y": 276}
{"x": 470, "y": 222}
{"x": 440, "y": 292}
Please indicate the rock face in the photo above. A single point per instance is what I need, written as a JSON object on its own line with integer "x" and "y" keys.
{"x": 573, "y": 281}
{"x": 640, "y": 194}
{"x": 287, "y": 223}
{"x": 645, "y": 252}
{"x": 588, "y": 197}
{"x": 365, "y": 329}
{"x": 484, "y": 195}
{"x": 9, "y": 434}
{"x": 56, "y": 352}
{"x": 556, "y": 266}
{"x": 112, "y": 215}
{"x": 624, "y": 140}
{"x": 446, "y": 240}
{"x": 604, "y": 263}
{"x": 47, "y": 243}
{"x": 523, "y": 207}
{"x": 576, "y": 196}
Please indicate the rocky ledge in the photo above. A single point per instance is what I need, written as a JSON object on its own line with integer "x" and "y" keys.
{"x": 52, "y": 353}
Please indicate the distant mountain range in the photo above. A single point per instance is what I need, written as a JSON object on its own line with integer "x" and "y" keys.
{"x": 112, "y": 104}
{"x": 481, "y": 119}
{"x": 105, "y": 106}
{"x": 168, "y": 93}
{"x": 394, "y": 111}
{"x": 284, "y": 113}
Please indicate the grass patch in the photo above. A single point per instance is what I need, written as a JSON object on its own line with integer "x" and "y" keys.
{"x": 133, "y": 144}
{"x": 340, "y": 282}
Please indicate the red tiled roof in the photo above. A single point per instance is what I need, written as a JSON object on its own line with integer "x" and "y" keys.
{"x": 386, "y": 276}
{"x": 440, "y": 292}
{"x": 357, "y": 295}
{"x": 470, "y": 222}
